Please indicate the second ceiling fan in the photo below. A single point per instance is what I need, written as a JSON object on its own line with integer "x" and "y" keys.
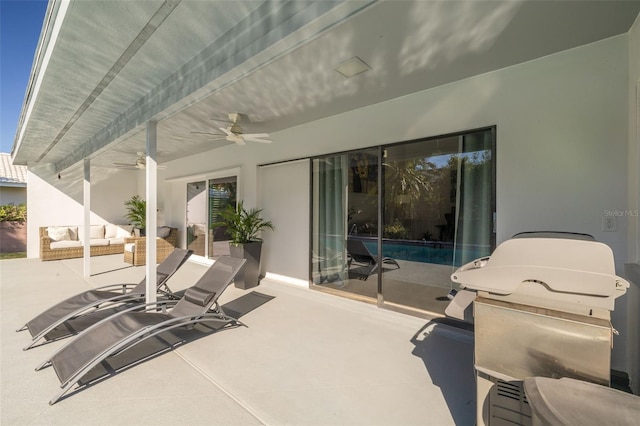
{"x": 234, "y": 132}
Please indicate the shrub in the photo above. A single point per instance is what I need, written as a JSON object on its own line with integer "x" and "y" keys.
{"x": 396, "y": 230}
{"x": 13, "y": 213}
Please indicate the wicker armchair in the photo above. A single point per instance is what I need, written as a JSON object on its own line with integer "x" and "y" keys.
{"x": 138, "y": 256}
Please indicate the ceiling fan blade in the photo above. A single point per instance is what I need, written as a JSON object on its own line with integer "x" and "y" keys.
{"x": 232, "y": 137}
{"x": 258, "y": 140}
{"x": 255, "y": 135}
{"x": 204, "y": 133}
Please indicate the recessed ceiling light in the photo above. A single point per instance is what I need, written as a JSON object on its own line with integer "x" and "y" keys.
{"x": 351, "y": 67}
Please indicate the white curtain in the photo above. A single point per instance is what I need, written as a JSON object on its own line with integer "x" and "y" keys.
{"x": 329, "y": 218}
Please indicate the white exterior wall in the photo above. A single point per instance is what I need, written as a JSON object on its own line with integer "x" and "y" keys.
{"x": 632, "y": 269}
{"x": 634, "y": 140}
{"x": 561, "y": 139}
{"x": 52, "y": 201}
{"x": 284, "y": 198}
{"x": 13, "y": 195}
{"x": 562, "y": 153}
{"x": 561, "y": 144}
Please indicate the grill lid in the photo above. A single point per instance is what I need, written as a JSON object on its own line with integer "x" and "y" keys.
{"x": 557, "y": 264}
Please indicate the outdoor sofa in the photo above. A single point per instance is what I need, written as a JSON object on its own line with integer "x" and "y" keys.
{"x": 65, "y": 242}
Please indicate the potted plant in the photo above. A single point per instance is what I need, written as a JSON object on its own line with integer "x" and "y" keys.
{"x": 137, "y": 212}
{"x": 244, "y": 228}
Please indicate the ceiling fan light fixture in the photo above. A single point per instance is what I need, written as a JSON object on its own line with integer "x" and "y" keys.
{"x": 233, "y": 133}
{"x": 352, "y": 67}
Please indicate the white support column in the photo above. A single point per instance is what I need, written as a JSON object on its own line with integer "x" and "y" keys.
{"x": 152, "y": 203}
{"x": 86, "y": 188}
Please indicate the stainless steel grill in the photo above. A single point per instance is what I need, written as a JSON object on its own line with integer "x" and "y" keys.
{"x": 542, "y": 307}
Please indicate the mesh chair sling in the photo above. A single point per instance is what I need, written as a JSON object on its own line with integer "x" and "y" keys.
{"x": 128, "y": 328}
{"x": 100, "y": 298}
{"x": 359, "y": 253}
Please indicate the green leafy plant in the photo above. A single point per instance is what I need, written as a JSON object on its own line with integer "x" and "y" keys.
{"x": 136, "y": 211}
{"x": 243, "y": 225}
{"x": 13, "y": 213}
{"x": 396, "y": 230}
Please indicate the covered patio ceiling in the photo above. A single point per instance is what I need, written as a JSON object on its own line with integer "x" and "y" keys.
{"x": 105, "y": 68}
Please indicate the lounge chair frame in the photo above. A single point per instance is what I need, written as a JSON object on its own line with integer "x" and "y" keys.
{"x": 140, "y": 336}
{"x": 212, "y": 312}
{"x": 125, "y": 297}
{"x": 358, "y": 253}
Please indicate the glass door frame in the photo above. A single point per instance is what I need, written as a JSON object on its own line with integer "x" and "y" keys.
{"x": 207, "y": 177}
{"x": 380, "y": 301}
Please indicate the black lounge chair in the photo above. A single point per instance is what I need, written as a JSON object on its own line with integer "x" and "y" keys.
{"x": 55, "y": 322}
{"x": 367, "y": 263}
{"x": 122, "y": 331}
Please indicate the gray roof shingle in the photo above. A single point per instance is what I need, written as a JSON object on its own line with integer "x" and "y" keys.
{"x": 11, "y": 175}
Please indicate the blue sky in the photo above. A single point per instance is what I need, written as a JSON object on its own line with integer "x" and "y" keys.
{"x": 20, "y": 25}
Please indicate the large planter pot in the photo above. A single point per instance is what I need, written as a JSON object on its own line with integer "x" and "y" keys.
{"x": 249, "y": 276}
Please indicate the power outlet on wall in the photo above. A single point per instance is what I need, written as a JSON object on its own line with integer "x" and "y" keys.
{"x": 609, "y": 224}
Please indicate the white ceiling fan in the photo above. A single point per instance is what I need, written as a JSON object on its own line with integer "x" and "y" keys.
{"x": 140, "y": 164}
{"x": 234, "y": 132}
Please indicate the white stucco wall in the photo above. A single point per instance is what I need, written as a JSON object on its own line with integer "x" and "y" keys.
{"x": 562, "y": 142}
{"x": 13, "y": 195}
{"x": 284, "y": 198}
{"x": 561, "y": 138}
{"x": 634, "y": 140}
{"x": 53, "y": 201}
{"x": 562, "y": 152}
{"x": 632, "y": 270}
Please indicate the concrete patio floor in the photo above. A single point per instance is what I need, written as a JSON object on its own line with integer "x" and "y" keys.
{"x": 304, "y": 358}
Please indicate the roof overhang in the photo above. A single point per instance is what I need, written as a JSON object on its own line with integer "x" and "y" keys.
{"x": 104, "y": 68}
{"x": 13, "y": 184}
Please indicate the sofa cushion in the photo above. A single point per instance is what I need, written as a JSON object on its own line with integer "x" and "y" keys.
{"x": 73, "y": 233}
{"x": 98, "y": 242}
{"x": 58, "y": 233}
{"x": 163, "y": 231}
{"x": 113, "y": 241}
{"x": 117, "y": 231}
{"x": 96, "y": 232}
{"x": 130, "y": 247}
{"x": 124, "y": 231}
{"x": 65, "y": 244}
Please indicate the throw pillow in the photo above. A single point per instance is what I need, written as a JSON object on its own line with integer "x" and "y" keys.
{"x": 124, "y": 231}
{"x": 58, "y": 233}
{"x": 96, "y": 232}
{"x": 163, "y": 231}
{"x": 110, "y": 230}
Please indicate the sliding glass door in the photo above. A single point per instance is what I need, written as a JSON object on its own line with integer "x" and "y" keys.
{"x": 222, "y": 194}
{"x": 391, "y": 224}
{"x": 197, "y": 217}
{"x": 205, "y": 201}
{"x": 438, "y": 213}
